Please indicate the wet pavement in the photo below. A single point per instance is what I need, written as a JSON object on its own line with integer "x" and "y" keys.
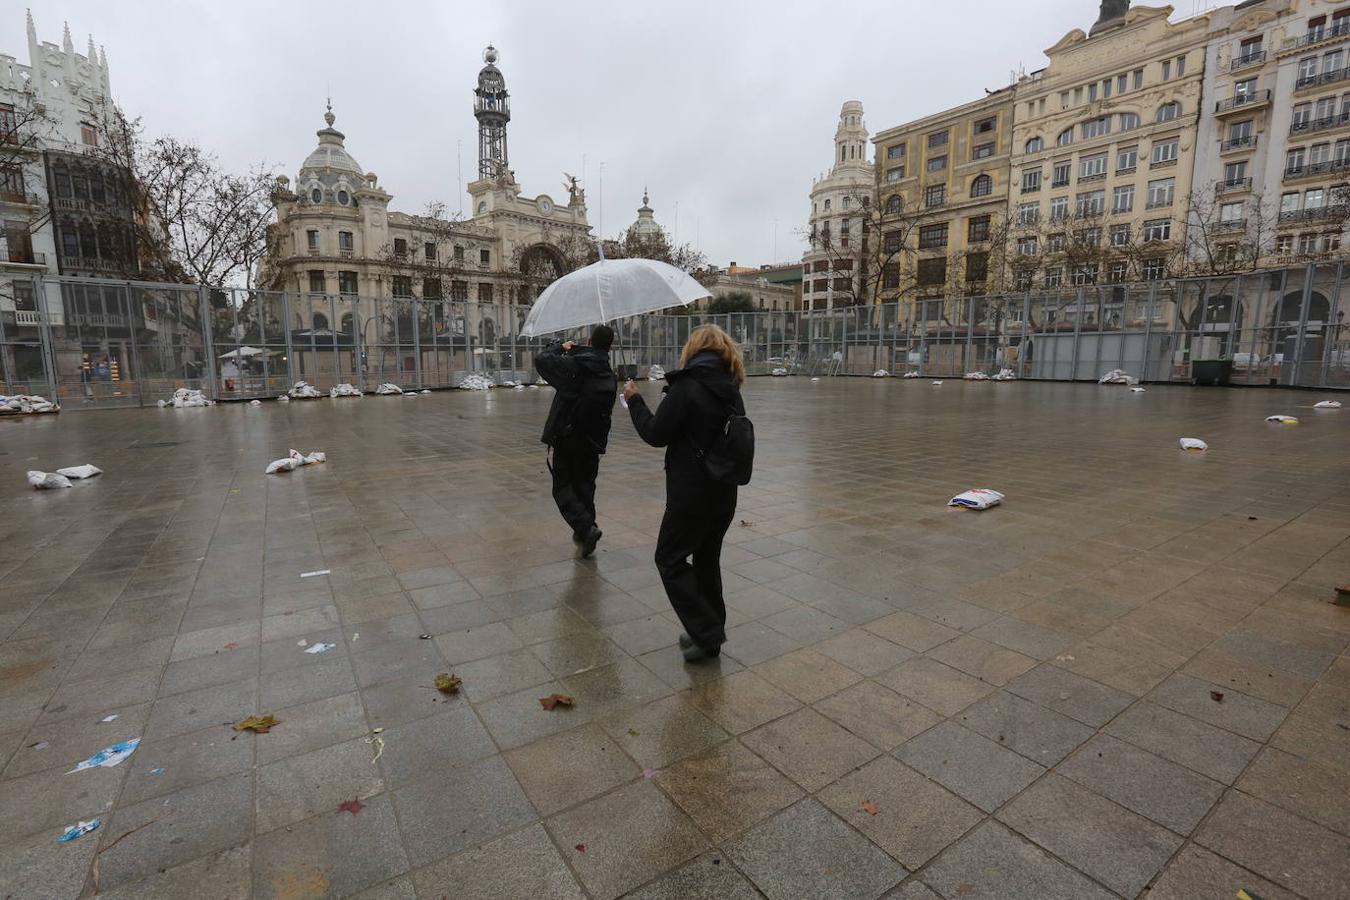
{"x": 1127, "y": 681}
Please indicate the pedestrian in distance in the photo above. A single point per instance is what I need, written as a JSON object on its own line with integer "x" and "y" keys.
{"x": 709, "y": 452}
{"x": 577, "y": 429}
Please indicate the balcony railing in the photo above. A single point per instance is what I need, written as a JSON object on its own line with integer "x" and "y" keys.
{"x": 346, "y": 252}
{"x": 27, "y": 317}
{"x": 1031, "y": 188}
{"x": 1227, "y": 225}
{"x": 1246, "y": 142}
{"x": 1322, "y": 124}
{"x": 1158, "y": 204}
{"x": 9, "y": 196}
{"x": 1331, "y": 211}
{"x": 1060, "y": 182}
{"x": 1316, "y": 35}
{"x": 1242, "y": 100}
{"x": 21, "y": 256}
{"x": 1330, "y": 76}
{"x": 1095, "y": 176}
{"x": 1162, "y": 163}
{"x": 1233, "y": 185}
{"x": 1250, "y": 58}
{"x": 1318, "y": 168}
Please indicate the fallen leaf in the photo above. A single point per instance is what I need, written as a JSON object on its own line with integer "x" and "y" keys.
{"x": 553, "y": 700}
{"x": 632, "y": 733}
{"x": 447, "y": 683}
{"x": 1216, "y": 696}
{"x": 258, "y": 724}
{"x": 581, "y": 848}
{"x": 353, "y": 806}
{"x": 964, "y": 888}
{"x": 232, "y": 646}
{"x": 870, "y": 808}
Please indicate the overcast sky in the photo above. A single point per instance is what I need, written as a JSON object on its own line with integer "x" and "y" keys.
{"x": 726, "y": 108}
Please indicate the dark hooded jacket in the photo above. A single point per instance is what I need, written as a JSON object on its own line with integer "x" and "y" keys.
{"x": 587, "y": 388}
{"x": 698, "y": 400}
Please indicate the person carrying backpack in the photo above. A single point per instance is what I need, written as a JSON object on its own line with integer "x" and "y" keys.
{"x": 577, "y": 428}
{"x": 709, "y": 451}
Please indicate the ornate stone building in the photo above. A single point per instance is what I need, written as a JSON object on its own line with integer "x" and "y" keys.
{"x": 830, "y": 264}
{"x": 339, "y": 249}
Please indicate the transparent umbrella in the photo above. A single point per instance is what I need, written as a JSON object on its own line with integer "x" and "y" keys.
{"x": 607, "y": 290}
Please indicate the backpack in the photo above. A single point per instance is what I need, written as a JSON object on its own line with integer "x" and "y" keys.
{"x": 730, "y": 458}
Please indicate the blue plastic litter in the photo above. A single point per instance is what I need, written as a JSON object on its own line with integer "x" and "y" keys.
{"x": 159, "y": 771}
{"x": 109, "y": 756}
{"x": 75, "y": 831}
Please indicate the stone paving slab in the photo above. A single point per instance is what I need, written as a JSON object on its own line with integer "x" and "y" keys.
{"x": 914, "y": 702}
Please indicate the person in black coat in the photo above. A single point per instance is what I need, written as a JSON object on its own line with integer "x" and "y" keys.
{"x": 699, "y": 397}
{"x": 577, "y": 428}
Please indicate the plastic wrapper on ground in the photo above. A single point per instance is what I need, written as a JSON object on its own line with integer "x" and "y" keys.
{"x": 294, "y": 460}
{"x": 1117, "y": 376}
{"x": 779, "y": 373}
{"x": 25, "y": 404}
{"x": 84, "y": 471}
{"x": 656, "y": 373}
{"x": 1327, "y": 404}
{"x": 1004, "y": 375}
{"x": 975, "y": 376}
{"x": 388, "y": 388}
{"x": 1282, "y": 420}
{"x": 976, "y": 498}
{"x": 881, "y": 373}
{"x": 1193, "y": 444}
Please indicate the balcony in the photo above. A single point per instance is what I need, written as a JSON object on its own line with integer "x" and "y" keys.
{"x": 935, "y": 202}
{"x": 1250, "y": 58}
{"x": 1242, "y": 103}
{"x": 346, "y": 252}
{"x": 1317, "y": 169}
{"x": 1317, "y": 213}
{"x": 1316, "y": 36}
{"x": 1095, "y": 176}
{"x": 1158, "y": 204}
{"x": 1228, "y": 225}
{"x": 20, "y": 256}
{"x": 1308, "y": 82}
{"x": 29, "y": 318}
{"x": 1162, "y": 163}
{"x": 1232, "y": 187}
{"x": 313, "y": 251}
{"x": 1031, "y": 188}
{"x": 1246, "y": 142}
{"x": 1308, "y": 126}
{"x": 19, "y": 197}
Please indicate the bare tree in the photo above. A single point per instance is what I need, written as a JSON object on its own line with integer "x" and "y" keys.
{"x": 24, "y": 133}
{"x": 875, "y": 264}
{"x": 194, "y": 222}
{"x": 1219, "y": 243}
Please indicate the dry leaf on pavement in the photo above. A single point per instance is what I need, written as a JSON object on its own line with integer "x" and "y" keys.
{"x": 258, "y": 724}
{"x": 448, "y": 684}
{"x": 553, "y": 700}
{"x": 870, "y": 808}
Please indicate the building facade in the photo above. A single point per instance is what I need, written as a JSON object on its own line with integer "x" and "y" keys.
{"x": 346, "y": 257}
{"x": 835, "y": 228}
{"x": 943, "y": 194}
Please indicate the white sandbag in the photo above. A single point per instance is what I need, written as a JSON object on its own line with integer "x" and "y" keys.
{"x": 303, "y": 390}
{"x": 1117, "y": 376}
{"x": 911, "y": 375}
{"x": 1136, "y": 390}
{"x": 187, "y": 398}
{"x": 475, "y": 382}
{"x": 1193, "y": 444}
{"x": 255, "y": 403}
{"x": 284, "y": 464}
{"x": 779, "y": 372}
{"x": 426, "y": 391}
{"x": 284, "y": 398}
{"x": 344, "y": 390}
{"x": 814, "y": 380}
{"x": 880, "y": 373}
{"x": 508, "y": 383}
{"x": 975, "y": 376}
{"x": 294, "y": 460}
{"x": 84, "y": 471}
{"x": 1327, "y": 404}
{"x": 937, "y": 384}
{"x": 26, "y": 403}
{"x": 306, "y": 459}
{"x": 518, "y": 387}
{"x": 977, "y": 498}
{"x": 1282, "y": 420}
{"x": 388, "y": 388}
{"x": 1004, "y": 375}
{"x": 656, "y": 373}
{"x": 46, "y": 481}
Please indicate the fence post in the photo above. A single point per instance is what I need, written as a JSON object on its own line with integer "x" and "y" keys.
{"x": 135, "y": 361}
{"x": 204, "y": 310}
{"x": 286, "y": 330}
{"x": 1328, "y": 341}
{"x": 1308, "y": 277}
{"x": 1148, "y": 327}
{"x": 1077, "y": 336}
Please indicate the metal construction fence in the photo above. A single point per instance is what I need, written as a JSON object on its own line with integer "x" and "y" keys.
{"x": 96, "y": 343}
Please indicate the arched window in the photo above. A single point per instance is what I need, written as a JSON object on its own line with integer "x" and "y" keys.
{"x": 1128, "y": 121}
{"x": 316, "y": 195}
{"x": 1065, "y": 137}
{"x": 320, "y": 322}
{"x": 1035, "y": 144}
{"x": 847, "y": 202}
{"x": 893, "y": 205}
{"x": 982, "y": 186}
{"x": 827, "y": 205}
{"x": 1168, "y": 111}
{"x": 348, "y": 324}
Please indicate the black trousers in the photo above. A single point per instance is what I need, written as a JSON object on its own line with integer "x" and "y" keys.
{"x": 695, "y": 588}
{"x": 575, "y": 467}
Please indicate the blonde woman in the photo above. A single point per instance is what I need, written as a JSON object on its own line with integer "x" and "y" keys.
{"x": 700, "y": 396}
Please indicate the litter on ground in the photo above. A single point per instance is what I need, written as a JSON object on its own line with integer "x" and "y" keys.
{"x": 284, "y": 398}
{"x": 25, "y": 404}
{"x": 1327, "y": 404}
{"x": 303, "y": 390}
{"x": 315, "y": 572}
{"x": 1193, "y": 444}
{"x": 320, "y": 648}
{"x": 1117, "y": 376}
{"x": 46, "y": 481}
{"x": 1004, "y": 375}
{"x": 1136, "y": 390}
{"x": 911, "y": 375}
{"x": 447, "y": 683}
{"x": 880, "y": 373}
{"x": 108, "y": 756}
{"x": 815, "y": 379}
{"x": 106, "y": 719}
{"x": 344, "y": 390}
{"x": 75, "y": 831}
{"x": 184, "y": 398}
{"x": 976, "y": 498}
{"x": 975, "y": 376}
{"x": 388, "y": 388}
{"x": 84, "y": 471}
{"x": 937, "y": 384}
{"x": 255, "y": 403}
{"x": 778, "y": 372}
{"x": 1282, "y": 420}
{"x": 656, "y": 373}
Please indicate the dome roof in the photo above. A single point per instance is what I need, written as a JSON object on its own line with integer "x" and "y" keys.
{"x": 646, "y": 225}
{"x": 331, "y": 155}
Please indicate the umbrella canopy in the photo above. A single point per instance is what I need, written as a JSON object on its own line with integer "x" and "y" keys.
{"x": 241, "y": 352}
{"x": 610, "y": 289}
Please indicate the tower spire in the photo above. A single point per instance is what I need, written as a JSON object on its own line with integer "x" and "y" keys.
{"x": 492, "y": 109}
